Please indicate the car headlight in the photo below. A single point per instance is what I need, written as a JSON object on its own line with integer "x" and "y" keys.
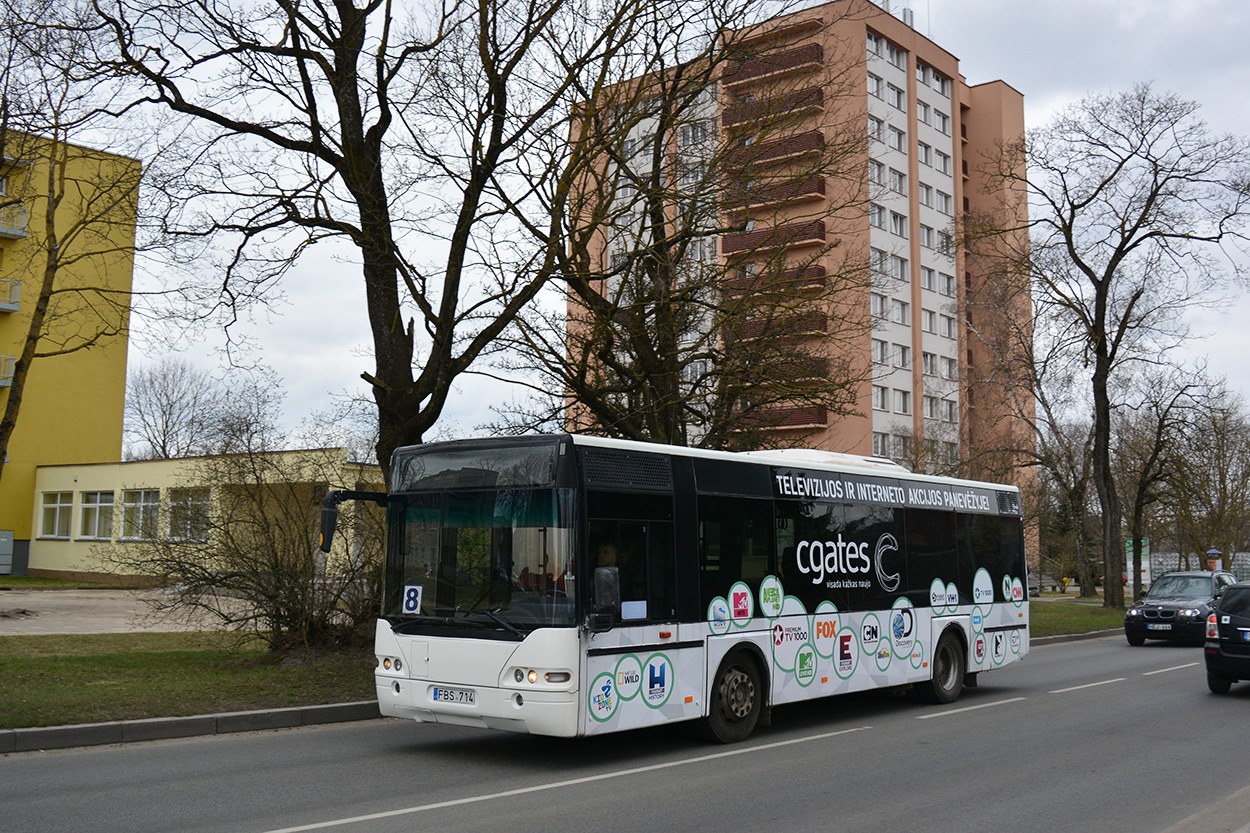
{"x": 1134, "y": 612}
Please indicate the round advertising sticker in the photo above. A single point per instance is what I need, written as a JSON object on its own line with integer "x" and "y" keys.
{"x": 628, "y": 677}
{"x": 771, "y": 597}
{"x": 937, "y": 596}
{"x": 718, "y": 615}
{"x": 741, "y": 604}
{"x": 825, "y": 629}
{"x": 982, "y": 588}
{"x": 602, "y": 698}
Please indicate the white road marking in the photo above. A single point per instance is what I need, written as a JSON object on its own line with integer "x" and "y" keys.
{"x": 970, "y": 708}
{"x": 1173, "y": 668}
{"x": 1087, "y": 685}
{"x": 572, "y": 782}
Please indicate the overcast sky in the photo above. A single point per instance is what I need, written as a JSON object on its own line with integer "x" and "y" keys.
{"x": 1054, "y": 53}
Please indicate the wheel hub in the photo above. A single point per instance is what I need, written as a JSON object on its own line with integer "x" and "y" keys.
{"x": 737, "y": 694}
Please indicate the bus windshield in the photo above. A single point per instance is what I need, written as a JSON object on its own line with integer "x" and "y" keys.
{"x": 498, "y": 559}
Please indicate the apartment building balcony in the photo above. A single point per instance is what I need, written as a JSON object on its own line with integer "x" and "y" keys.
{"x": 810, "y": 188}
{"x": 789, "y": 105}
{"x": 790, "y": 281}
{"x": 10, "y": 294}
{"x": 805, "y": 58}
{"x": 8, "y": 366}
{"x": 13, "y": 219}
{"x": 781, "y": 150}
{"x": 787, "y": 327}
{"x": 792, "y": 235}
{"x": 788, "y": 416}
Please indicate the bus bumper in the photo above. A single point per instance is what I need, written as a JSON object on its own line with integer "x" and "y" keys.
{"x": 536, "y": 712}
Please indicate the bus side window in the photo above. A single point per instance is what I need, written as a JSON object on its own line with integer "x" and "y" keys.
{"x": 634, "y": 533}
{"x": 734, "y": 544}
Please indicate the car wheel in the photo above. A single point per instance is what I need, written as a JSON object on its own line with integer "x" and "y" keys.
{"x": 948, "y": 671}
{"x": 737, "y": 698}
{"x": 1135, "y": 638}
{"x": 1218, "y": 683}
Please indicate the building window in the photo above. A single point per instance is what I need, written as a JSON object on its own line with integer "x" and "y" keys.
{"x": 947, "y": 284}
{"x": 931, "y": 410}
{"x": 942, "y": 84}
{"x": 141, "y": 508}
{"x": 929, "y": 363}
{"x": 880, "y": 398}
{"x": 880, "y": 444}
{"x": 900, "y": 311}
{"x": 952, "y": 452}
{"x": 897, "y": 57}
{"x": 896, "y": 97}
{"x": 902, "y": 401}
{"x": 902, "y": 356}
{"x": 898, "y": 181}
{"x": 928, "y": 320}
{"x": 898, "y": 267}
{"x": 926, "y": 194}
{"x": 943, "y": 162}
{"x": 928, "y": 278}
{"x": 880, "y": 261}
{"x": 950, "y": 368}
{"x": 922, "y": 112}
{"x": 880, "y": 351}
{"x": 694, "y": 133}
{"x": 898, "y": 139}
{"x": 902, "y": 447}
{"x": 950, "y": 411}
{"x": 898, "y": 224}
{"x": 942, "y": 122}
{"x": 876, "y": 172}
{"x": 876, "y": 128}
{"x": 948, "y": 326}
{"x": 876, "y": 216}
{"x": 97, "y": 516}
{"x": 945, "y": 203}
{"x": 876, "y": 43}
{"x": 188, "y": 514}
{"x": 57, "y": 507}
{"x": 926, "y": 240}
{"x": 922, "y": 73}
{"x": 880, "y": 305}
{"x": 924, "y": 153}
{"x": 874, "y": 85}
{"x": 945, "y": 242}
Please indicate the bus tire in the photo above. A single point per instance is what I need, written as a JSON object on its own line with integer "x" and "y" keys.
{"x": 737, "y": 699}
{"x": 949, "y": 666}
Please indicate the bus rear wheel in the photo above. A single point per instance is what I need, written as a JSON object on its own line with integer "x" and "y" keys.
{"x": 948, "y": 671}
{"x": 737, "y": 699}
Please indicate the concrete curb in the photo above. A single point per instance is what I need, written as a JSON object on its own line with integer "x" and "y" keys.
{"x": 1073, "y": 637}
{"x": 160, "y": 728}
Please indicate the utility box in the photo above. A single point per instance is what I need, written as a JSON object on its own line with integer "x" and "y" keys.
{"x": 6, "y": 553}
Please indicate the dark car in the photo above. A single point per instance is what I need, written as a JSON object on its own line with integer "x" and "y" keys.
{"x": 1176, "y": 607}
{"x": 1228, "y": 639}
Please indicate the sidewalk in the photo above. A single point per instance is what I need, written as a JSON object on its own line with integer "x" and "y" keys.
{"x": 32, "y": 612}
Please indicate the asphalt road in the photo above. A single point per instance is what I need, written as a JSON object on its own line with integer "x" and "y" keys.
{"x": 1090, "y": 735}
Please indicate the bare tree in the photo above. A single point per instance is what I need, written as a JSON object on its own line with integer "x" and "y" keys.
{"x": 1131, "y": 200}
{"x": 420, "y": 135}
{"x": 172, "y": 409}
{"x": 76, "y": 206}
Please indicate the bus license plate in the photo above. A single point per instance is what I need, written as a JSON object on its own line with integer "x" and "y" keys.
{"x": 1158, "y": 627}
{"x": 464, "y": 696}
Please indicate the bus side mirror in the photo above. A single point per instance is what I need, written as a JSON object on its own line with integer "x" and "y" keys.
{"x": 329, "y": 520}
{"x": 607, "y": 598}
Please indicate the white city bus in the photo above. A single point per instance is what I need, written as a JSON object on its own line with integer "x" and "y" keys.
{"x": 567, "y": 585}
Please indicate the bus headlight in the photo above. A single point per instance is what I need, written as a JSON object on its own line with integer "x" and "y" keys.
{"x": 533, "y": 677}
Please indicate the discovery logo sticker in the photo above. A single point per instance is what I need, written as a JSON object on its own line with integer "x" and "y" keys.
{"x": 741, "y": 604}
{"x": 657, "y": 681}
{"x": 771, "y": 597}
{"x": 903, "y": 626}
{"x": 628, "y": 677}
{"x": 603, "y": 698}
{"x": 718, "y": 615}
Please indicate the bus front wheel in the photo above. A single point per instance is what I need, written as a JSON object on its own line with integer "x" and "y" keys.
{"x": 737, "y": 699}
{"x": 948, "y": 671}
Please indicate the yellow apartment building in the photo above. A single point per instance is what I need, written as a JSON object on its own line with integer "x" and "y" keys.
{"x": 84, "y": 512}
{"x": 73, "y": 397}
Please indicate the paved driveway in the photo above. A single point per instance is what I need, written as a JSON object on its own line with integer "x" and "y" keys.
{"x": 85, "y": 611}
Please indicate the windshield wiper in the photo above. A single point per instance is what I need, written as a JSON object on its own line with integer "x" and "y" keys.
{"x": 494, "y": 616}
